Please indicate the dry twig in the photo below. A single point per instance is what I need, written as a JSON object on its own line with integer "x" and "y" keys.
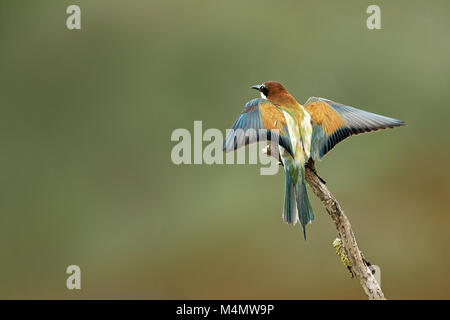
{"x": 360, "y": 267}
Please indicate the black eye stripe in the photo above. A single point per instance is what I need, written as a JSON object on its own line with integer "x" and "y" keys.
{"x": 265, "y": 91}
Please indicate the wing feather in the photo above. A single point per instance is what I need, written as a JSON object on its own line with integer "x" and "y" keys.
{"x": 333, "y": 122}
{"x": 268, "y": 122}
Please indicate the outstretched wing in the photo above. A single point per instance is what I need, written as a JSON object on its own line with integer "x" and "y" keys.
{"x": 266, "y": 120}
{"x": 333, "y": 122}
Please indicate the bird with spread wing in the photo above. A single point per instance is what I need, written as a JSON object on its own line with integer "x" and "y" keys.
{"x": 302, "y": 133}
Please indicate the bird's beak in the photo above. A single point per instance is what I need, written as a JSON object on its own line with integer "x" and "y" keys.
{"x": 257, "y": 87}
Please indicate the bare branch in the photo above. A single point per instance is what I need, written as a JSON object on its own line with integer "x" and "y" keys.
{"x": 344, "y": 228}
{"x": 360, "y": 267}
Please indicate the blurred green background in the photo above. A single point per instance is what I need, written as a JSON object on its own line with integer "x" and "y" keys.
{"x": 87, "y": 178}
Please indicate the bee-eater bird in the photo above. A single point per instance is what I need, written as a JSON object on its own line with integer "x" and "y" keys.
{"x": 302, "y": 133}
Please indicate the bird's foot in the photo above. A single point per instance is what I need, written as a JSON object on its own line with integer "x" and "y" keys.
{"x": 268, "y": 151}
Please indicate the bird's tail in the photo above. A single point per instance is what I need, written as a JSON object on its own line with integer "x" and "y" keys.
{"x": 289, "y": 210}
{"x": 305, "y": 212}
{"x": 296, "y": 202}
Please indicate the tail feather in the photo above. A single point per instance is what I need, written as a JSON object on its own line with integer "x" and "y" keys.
{"x": 296, "y": 202}
{"x": 289, "y": 211}
{"x": 305, "y": 212}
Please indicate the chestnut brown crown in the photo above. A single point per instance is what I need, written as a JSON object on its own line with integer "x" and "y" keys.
{"x": 275, "y": 93}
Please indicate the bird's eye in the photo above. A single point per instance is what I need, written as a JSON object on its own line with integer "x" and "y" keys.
{"x": 265, "y": 91}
